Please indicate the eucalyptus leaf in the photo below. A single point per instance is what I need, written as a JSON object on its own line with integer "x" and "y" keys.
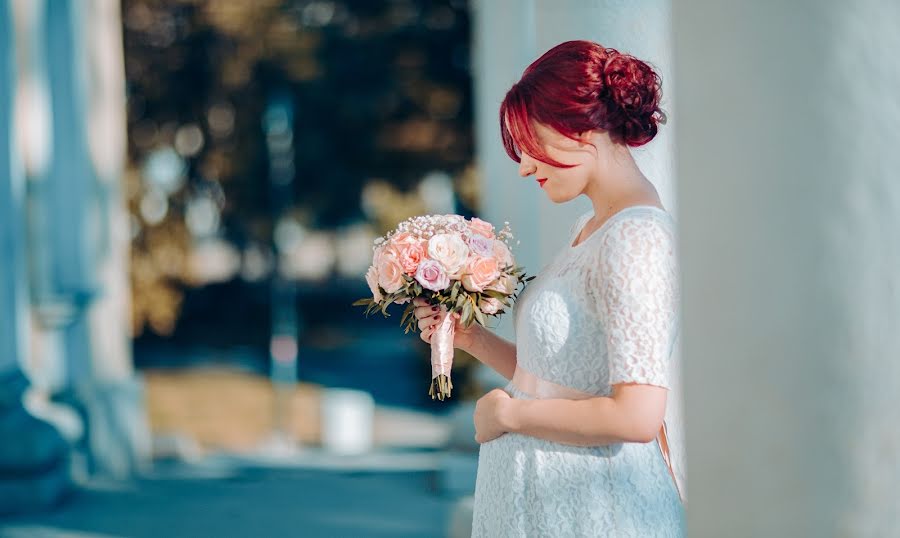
{"x": 479, "y": 316}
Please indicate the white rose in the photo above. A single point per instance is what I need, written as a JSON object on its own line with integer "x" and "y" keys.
{"x": 503, "y": 255}
{"x": 490, "y": 305}
{"x": 450, "y": 251}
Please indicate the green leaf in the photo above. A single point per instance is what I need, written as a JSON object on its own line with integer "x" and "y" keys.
{"x": 466, "y": 315}
{"x": 363, "y": 302}
{"x": 495, "y": 294}
{"x": 407, "y": 312}
{"x": 479, "y": 316}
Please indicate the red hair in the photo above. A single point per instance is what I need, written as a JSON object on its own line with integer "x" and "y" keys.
{"x": 580, "y": 86}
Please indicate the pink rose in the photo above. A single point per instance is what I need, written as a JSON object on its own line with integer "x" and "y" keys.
{"x": 503, "y": 255}
{"x": 489, "y": 305}
{"x": 372, "y": 281}
{"x": 390, "y": 273}
{"x": 431, "y": 275}
{"x": 481, "y": 227}
{"x": 409, "y": 250}
{"x": 480, "y": 272}
{"x": 481, "y": 245}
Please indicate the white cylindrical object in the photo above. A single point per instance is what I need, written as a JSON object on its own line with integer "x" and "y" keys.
{"x": 347, "y": 419}
{"x": 790, "y": 208}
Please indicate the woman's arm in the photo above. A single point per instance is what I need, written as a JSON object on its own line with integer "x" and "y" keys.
{"x": 633, "y": 414}
{"x": 494, "y": 351}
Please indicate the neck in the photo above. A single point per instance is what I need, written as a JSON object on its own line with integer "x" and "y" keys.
{"x": 618, "y": 179}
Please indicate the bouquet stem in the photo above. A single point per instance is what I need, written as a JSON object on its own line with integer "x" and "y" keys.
{"x": 442, "y": 357}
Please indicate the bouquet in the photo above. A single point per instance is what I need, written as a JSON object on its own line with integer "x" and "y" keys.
{"x": 457, "y": 264}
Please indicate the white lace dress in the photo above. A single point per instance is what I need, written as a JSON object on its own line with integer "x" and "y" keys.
{"x": 600, "y": 313}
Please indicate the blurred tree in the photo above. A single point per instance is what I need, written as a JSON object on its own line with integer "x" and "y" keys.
{"x": 382, "y": 92}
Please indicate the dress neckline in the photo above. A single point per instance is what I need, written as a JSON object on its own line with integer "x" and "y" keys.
{"x": 609, "y": 219}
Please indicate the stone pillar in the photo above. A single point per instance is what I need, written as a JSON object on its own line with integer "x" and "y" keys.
{"x": 503, "y": 44}
{"x": 120, "y": 434}
{"x": 790, "y": 210}
{"x": 33, "y": 455}
{"x": 78, "y": 226}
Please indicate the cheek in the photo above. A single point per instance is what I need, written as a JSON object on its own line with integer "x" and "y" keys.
{"x": 572, "y": 178}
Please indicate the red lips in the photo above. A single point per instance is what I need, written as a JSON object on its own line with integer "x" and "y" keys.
{"x": 541, "y": 181}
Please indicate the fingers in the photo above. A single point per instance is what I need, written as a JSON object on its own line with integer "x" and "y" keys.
{"x": 427, "y": 312}
{"x": 428, "y": 315}
{"x": 429, "y": 321}
{"x": 425, "y": 335}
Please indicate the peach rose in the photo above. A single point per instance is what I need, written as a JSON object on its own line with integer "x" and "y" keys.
{"x": 480, "y": 272}
{"x": 409, "y": 250}
{"x": 503, "y": 255}
{"x": 489, "y": 305}
{"x": 372, "y": 281}
{"x": 481, "y": 227}
{"x": 450, "y": 251}
{"x": 390, "y": 272}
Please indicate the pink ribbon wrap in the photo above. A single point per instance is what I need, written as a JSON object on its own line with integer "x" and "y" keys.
{"x": 442, "y": 345}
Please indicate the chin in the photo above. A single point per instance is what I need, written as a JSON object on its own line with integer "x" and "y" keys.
{"x": 560, "y": 198}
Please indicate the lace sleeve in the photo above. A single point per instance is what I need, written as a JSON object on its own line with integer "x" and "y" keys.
{"x": 637, "y": 288}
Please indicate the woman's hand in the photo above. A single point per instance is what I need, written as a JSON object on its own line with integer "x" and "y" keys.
{"x": 492, "y": 415}
{"x": 429, "y": 316}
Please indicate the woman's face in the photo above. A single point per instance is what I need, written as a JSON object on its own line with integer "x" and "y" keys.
{"x": 560, "y": 184}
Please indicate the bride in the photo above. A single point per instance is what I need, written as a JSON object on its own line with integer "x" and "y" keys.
{"x": 576, "y": 444}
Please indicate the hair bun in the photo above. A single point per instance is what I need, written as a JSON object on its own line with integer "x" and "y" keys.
{"x": 633, "y": 89}
{"x": 576, "y": 87}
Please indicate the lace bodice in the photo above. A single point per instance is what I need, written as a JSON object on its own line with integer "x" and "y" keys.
{"x": 602, "y": 312}
{"x": 621, "y": 325}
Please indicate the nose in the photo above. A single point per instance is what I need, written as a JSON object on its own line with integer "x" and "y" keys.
{"x": 527, "y": 165}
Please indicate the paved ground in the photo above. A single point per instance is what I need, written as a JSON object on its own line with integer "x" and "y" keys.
{"x": 236, "y": 499}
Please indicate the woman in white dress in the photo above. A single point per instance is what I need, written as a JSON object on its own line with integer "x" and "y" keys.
{"x": 575, "y": 444}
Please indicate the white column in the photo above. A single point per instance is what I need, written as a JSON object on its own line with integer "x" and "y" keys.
{"x": 503, "y": 35}
{"x": 641, "y": 28}
{"x": 72, "y": 120}
{"x": 34, "y": 458}
{"x": 790, "y": 212}
{"x": 120, "y": 435}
